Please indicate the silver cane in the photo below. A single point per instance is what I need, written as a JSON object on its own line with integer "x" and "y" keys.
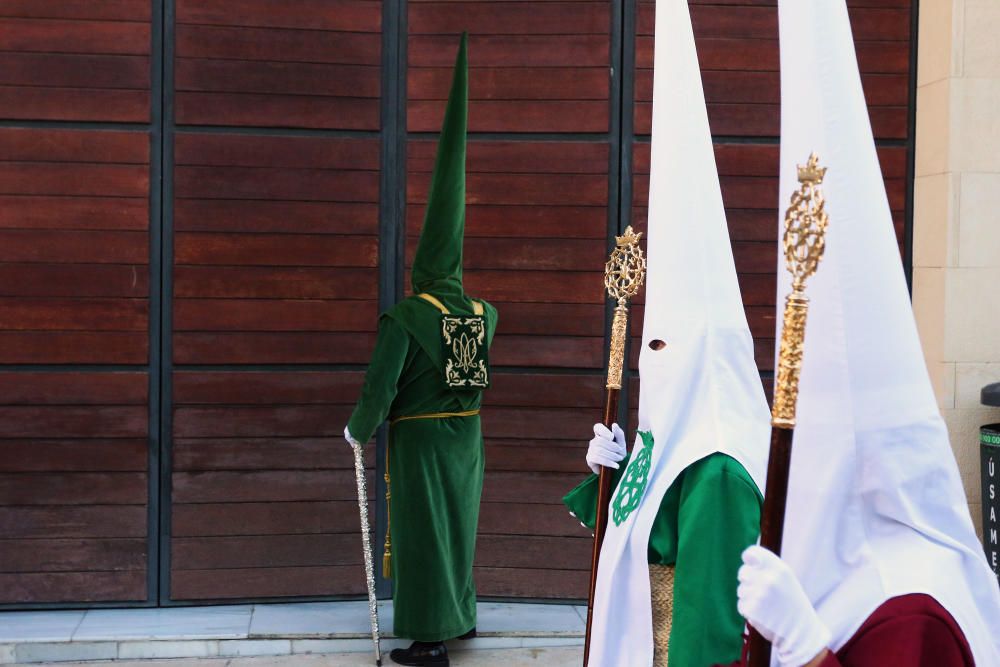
{"x": 366, "y": 544}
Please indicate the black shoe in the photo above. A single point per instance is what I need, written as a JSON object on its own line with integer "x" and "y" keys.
{"x": 471, "y": 634}
{"x": 422, "y": 654}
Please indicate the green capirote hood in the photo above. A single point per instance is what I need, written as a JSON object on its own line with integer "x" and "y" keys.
{"x": 437, "y": 266}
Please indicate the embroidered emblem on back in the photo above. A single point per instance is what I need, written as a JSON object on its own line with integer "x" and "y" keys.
{"x": 633, "y": 483}
{"x": 465, "y": 352}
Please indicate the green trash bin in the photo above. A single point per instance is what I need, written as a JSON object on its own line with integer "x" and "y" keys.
{"x": 989, "y": 443}
{"x": 989, "y": 446}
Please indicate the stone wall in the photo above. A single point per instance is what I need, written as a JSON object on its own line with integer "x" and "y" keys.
{"x": 956, "y": 245}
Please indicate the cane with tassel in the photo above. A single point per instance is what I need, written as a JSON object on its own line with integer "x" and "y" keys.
{"x": 623, "y": 276}
{"x": 804, "y": 242}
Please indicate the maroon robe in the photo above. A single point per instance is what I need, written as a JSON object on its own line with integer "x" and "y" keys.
{"x": 906, "y": 631}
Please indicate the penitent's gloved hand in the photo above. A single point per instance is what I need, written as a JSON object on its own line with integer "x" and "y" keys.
{"x": 606, "y": 449}
{"x": 771, "y": 599}
{"x": 350, "y": 438}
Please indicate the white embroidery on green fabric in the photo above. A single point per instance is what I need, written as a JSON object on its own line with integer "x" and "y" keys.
{"x": 464, "y": 339}
{"x": 633, "y": 483}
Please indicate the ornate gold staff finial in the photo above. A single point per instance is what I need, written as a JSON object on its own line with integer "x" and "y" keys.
{"x": 804, "y": 242}
{"x": 623, "y": 276}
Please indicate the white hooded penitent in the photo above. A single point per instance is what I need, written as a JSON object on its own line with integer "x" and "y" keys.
{"x": 701, "y": 393}
{"x": 876, "y": 507}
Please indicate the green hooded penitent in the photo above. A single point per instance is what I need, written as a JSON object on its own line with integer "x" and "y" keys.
{"x": 426, "y": 377}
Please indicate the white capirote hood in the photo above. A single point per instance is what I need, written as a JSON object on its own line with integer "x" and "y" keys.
{"x": 876, "y": 507}
{"x": 702, "y": 392}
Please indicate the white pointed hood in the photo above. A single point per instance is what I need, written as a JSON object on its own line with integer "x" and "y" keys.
{"x": 702, "y": 392}
{"x": 876, "y": 507}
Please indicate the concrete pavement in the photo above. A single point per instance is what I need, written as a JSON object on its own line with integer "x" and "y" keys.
{"x": 523, "y": 657}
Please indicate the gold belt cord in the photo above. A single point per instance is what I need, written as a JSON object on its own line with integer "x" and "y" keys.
{"x": 387, "y": 549}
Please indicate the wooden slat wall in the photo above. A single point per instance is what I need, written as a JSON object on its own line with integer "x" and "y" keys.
{"x": 276, "y": 175}
{"x": 537, "y": 66}
{"x": 74, "y": 253}
{"x": 75, "y": 60}
{"x": 535, "y": 244}
{"x": 275, "y": 249}
{"x": 310, "y": 64}
{"x": 74, "y": 289}
{"x": 265, "y": 503}
{"x": 275, "y": 263}
{"x": 73, "y": 486}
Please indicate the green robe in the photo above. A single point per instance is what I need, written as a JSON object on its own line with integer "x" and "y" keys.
{"x": 707, "y": 517}
{"x": 436, "y": 468}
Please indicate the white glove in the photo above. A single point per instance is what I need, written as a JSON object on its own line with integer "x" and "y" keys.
{"x": 350, "y": 438}
{"x": 771, "y": 599}
{"x": 606, "y": 449}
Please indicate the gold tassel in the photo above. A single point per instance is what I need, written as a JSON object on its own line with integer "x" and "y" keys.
{"x": 387, "y": 553}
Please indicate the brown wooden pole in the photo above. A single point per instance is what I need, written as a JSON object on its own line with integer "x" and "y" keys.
{"x": 601, "y": 522}
{"x": 623, "y": 276}
{"x": 772, "y": 521}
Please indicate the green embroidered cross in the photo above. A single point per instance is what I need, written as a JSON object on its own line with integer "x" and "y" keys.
{"x": 633, "y": 483}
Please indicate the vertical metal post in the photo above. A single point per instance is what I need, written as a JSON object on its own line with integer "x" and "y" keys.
{"x": 392, "y": 217}
{"x": 155, "y": 303}
{"x": 165, "y": 265}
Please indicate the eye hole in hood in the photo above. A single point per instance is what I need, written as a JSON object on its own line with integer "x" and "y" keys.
{"x": 656, "y": 344}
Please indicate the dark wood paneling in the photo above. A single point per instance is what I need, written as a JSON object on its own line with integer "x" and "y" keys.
{"x": 275, "y": 249}
{"x": 73, "y": 486}
{"x": 534, "y": 66}
{"x": 263, "y": 481}
{"x": 74, "y": 249}
{"x": 523, "y": 582}
{"x": 268, "y": 582}
{"x": 267, "y": 518}
{"x": 263, "y": 551}
{"x": 259, "y": 63}
{"x": 738, "y": 49}
{"x": 75, "y": 61}
{"x": 79, "y": 587}
{"x": 536, "y": 428}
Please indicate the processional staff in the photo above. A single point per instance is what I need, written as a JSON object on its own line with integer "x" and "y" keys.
{"x": 623, "y": 276}
{"x": 366, "y": 545}
{"x": 804, "y": 242}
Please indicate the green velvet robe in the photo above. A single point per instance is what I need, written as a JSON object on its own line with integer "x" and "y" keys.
{"x": 436, "y": 468}
{"x": 707, "y": 517}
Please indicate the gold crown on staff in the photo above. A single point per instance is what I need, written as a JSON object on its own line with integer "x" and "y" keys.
{"x": 804, "y": 243}
{"x": 626, "y": 268}
{"x": 804, "y": 240}
{"x": 812, "y": 173}
{"x": 628, "y": 238}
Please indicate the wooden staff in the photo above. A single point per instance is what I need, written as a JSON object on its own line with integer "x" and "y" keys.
{"x": 623, "y": 276}
{"x": 804, "y": 242}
